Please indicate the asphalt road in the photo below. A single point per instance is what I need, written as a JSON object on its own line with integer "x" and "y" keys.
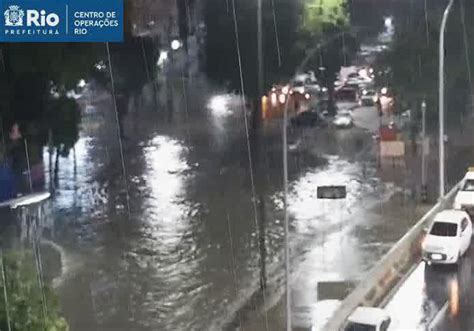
{"x": 349, "y": 236}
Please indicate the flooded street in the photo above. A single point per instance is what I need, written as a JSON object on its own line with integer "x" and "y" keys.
{"x": 180, "y": 225}
{"x": 187, "y": 258}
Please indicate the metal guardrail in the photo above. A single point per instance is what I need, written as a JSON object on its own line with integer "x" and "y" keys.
{"x": 386, "y": 274}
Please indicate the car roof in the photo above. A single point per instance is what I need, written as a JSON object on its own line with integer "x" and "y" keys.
{"x": 450, "y": 216}
{"x": 368, "y": 315}
{"x": 469, "y": 175}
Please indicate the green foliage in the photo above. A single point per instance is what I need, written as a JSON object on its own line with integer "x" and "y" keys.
{"x": 29, "y": 71}
{"x": 25, "y": 305}
{"x": 319, "y": 15}
{"x": 301, "y": 26}
{"x": 64, "y": 64}
{"x": 414, "y": 57}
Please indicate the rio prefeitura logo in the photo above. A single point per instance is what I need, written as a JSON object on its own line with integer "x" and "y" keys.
{"x": 61, "y": 21}
{"x": 14, "y": 16}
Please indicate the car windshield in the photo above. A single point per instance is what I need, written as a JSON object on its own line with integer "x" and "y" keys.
{"x": 359, "y": 327}
{"x": 298, "y": 83}
{"x": 468, "y": 185}
{"x": 444, "y": 229}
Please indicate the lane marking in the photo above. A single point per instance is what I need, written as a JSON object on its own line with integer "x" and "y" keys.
{"x": 438, "y": 316}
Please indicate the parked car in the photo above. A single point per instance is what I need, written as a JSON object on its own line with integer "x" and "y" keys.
{"x": 308, "y": 118}
{"x": 368, "y": 319}
{"x": 465, "y": 197}
{"x": 448, "y": 237}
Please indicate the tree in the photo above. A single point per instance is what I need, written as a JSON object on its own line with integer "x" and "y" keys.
{"x": 221, "y": 52}
{"x": 25, "y": 297}
{"x": 301, "y": 26}
{"x": 326, "y": 23}
{"x": 31, "y": 71}
{"x": 413, "y": 60}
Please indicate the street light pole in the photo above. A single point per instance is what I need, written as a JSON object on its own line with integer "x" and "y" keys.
{"x": 260, "y": 49}
{"x": 441, "y": 99}
{"x": 286, "y": 225}
{"x": 423, "y": 152}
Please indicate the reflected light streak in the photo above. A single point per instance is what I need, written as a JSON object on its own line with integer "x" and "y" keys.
{"x": 303, "y": 202}
{"x": 165, "y": 165}
{"x": 453, "y": 297}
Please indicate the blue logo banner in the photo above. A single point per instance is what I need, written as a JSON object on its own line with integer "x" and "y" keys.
{"x": 61, "y": 21}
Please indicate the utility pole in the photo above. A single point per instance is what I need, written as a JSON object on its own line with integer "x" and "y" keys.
{"x": 257, "y": 119}
{"x": 441, "y": 99}
{"x": 424, "y": 189}
{"x": 285, "y": 207}
{"x": 260, "y": 51}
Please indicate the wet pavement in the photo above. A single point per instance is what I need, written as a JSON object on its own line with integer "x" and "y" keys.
{"x": 435, "y": 298}
{"x": 360, "y": 230}
{"x": 186, "y": 255}
{"x": 440, "y": 297}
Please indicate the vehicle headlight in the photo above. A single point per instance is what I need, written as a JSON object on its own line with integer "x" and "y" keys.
{"x": 282, "y": 98}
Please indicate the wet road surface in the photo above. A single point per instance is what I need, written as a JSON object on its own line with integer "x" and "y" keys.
{"x": 187, "y": 257}
{"x": 435, "y": 298}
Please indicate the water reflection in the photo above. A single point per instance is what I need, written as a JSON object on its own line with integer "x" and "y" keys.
{"x": 165, "y": 250}
{"x": 166, "y": 175}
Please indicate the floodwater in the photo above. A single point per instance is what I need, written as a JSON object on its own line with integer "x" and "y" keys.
{"x": 186, "y": 252}
{"x": 187, "y": 255}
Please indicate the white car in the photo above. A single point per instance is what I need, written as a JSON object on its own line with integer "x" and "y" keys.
{"x": 343, "y": 119}
{"x": 448, "y": 238}
{"x": 368, "y": 98}
{"x": 306, "y": 83}
{"x": 465, "y": 197}
{"x": 368, "y": 319}
{"x": 356, "y": 79}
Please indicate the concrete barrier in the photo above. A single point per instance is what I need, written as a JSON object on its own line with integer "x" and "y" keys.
{"x": 386, "y": 274}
